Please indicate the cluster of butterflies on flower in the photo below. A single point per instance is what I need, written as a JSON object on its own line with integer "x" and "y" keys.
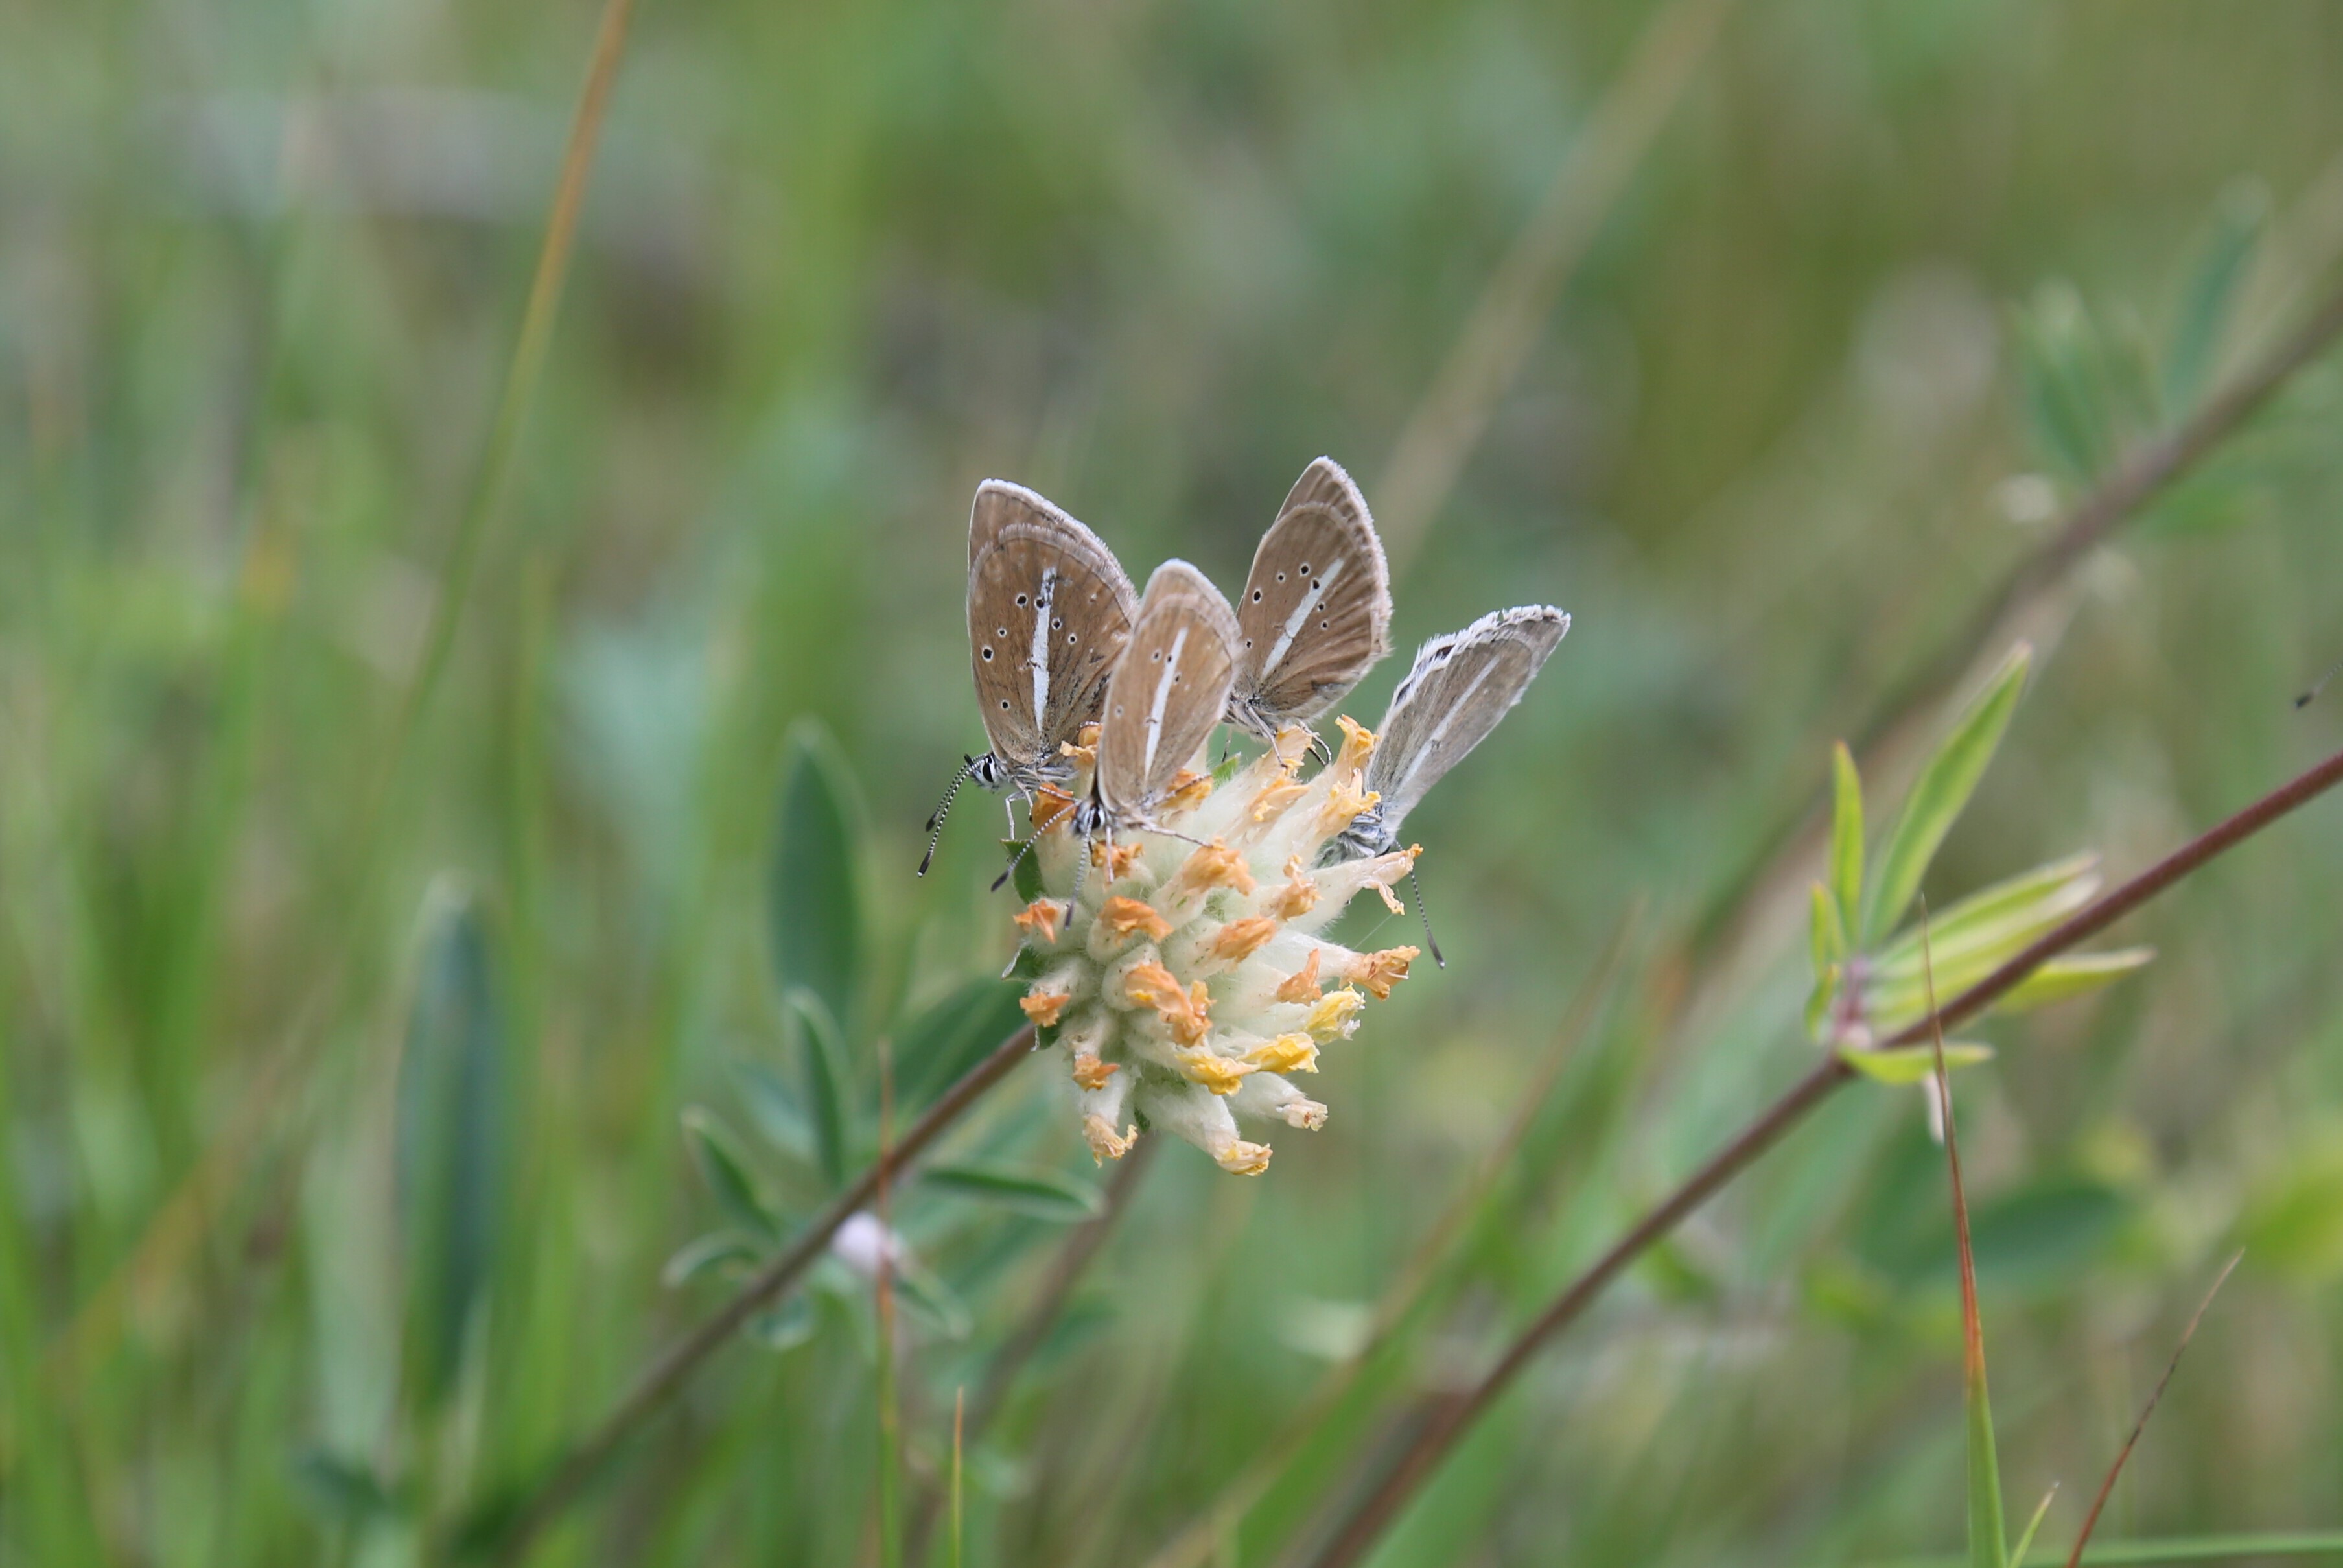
{"x": 1060, "y": 642}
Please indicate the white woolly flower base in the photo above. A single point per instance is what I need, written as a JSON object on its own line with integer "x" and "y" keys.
{"x": 1189, "y": 979}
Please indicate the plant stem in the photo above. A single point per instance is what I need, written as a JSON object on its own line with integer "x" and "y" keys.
{"x": 667, "y": 1373}
{"x": 1449, "y": 1417}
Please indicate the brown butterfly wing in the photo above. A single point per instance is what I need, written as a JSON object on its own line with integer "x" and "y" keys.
{"x": 1168, "y": 690}
{"x": 1048, "y": 610}
{"x": 1461, "y": 685}
{"x": 1315, "y": 613}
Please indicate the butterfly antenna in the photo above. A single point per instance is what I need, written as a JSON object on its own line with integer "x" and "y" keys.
{"x": 2311, "y": 696}
{"x": 1425, "y": 915}
{"x": 1015, "y": 861}
{"x": 935, "y": 821}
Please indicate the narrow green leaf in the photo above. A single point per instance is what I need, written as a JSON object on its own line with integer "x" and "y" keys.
{"x": 2026, "y": 1536}
{"x": 2000, "y": 919}
{"x": 1847, "y": 837}
{"x": 2067, "y": 401}
{"x": 777, "y": 1109}
{"x": 2208, "y": 299}
{"x": 702, "y": 1253}
{"x": 726, "y": 1172}
{"x": 2073, "y": 976}
{"x": 1027, "y": 878}
{"x": 450, "y": 1136}
{"x": 1914, "y": 1063}
{"x": 924, "y": 1296}
{"x": 1818, "y": 1003}
{"x": 1826, "y": 942}
{"x": 2175, "y": 1549}
{"x": 940, "y": 1044}
{"x": 1941, "y": 793}
{"x": 1021, "y": 1189}
{"x": 785, "y": 1325}
{"x": 816, "y": 897}
{"x": 828, "y": 1077}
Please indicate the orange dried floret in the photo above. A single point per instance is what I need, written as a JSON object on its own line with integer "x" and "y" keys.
{"x": 1187, "y": 790}
{"x": 1045, "y": 1008}
{"x": 1214, "y": 865}
{"x": 1300, "y": 894}
{"x": 1123, "y": 915}
{"x": 1188, "y": 1014}
{"x": 1378, "y": 973}
{"x": 1302, "y": 985}
{"x": 1240, "y": 940}
{"x": 1093, "y": 1074}
{"x": 1041, "y": 919}
{"x": 1050, "y": 807}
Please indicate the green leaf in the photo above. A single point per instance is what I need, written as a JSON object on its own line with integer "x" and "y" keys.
{"x": 1941, "y": 793}
{"x": 2073, "y": 976}
{"x": 726, "y": 1173}
{"x": 2294, "y": 1224}
{"x": 926, "y": 1298}
{"x": 1021, "y": 1189}
{"x": 1999, "y": 919}
{"x": 697, "y": 1256}
{"x": 1818, "y": 1003}
{"x": 2026, "y": 1536}
{"x": 2068, "y": 408}
{"x": 1227, "y": 768}
{"x": 2209, "y": 296}
{"x": 1826, "y": 939}
{"x": 785, "y": 1325}
{"x": 1989, "y": 1531}
{"x": 776, "y": 1110}
{"x": 936, "y": 1048}
{"x": 1914, "y": 1063}
{"x": 816, "y": 893}
{"x": 828, "y": 1080}
{"x": 1026, "y": 877}
{"x": 450, "y": 1136}
{"x": 1847, "y": 837}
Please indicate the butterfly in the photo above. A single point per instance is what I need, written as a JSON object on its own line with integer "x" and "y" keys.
{"x": 1049, "y": 610}
{"x": 1163, "y": 700}
{"x": 1458, "y": 689}
{"x": 1315, "y": 612}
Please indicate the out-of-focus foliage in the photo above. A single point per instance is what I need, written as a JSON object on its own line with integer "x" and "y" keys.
{"x": 1895, "y": 283}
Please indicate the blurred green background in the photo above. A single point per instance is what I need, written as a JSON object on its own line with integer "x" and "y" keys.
{"x": 1890, "y": 284}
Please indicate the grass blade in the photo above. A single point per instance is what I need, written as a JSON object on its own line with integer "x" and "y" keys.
{"x": 2026, "y": 1536}
{"x": 2107, "y": 1486}
{"x": 1847, "y": 837}
{"x": 1942, "y": 793}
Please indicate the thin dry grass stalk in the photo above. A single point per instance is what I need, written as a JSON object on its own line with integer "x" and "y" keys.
{"x": 1507, "y": 319}
{"x": 1447, "y": 1419}
{"x": 2107, "y": 1486}
{"x": 512, "y": 1537}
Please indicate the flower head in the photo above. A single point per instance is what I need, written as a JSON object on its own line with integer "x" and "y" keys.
{"x": 1189, "y": 977}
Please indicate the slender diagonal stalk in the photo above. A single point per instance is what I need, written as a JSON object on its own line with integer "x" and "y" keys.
{"x": 180, "y": 1221}
{"x": 2156, "y": 1397}
{"x": 1447, "y": 1419}
{"x": 1504, "y": 327}
{"x": 666, "y": 1374}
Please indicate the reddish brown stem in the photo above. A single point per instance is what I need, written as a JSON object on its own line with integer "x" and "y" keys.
{"x": 1448, "y": 1417}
